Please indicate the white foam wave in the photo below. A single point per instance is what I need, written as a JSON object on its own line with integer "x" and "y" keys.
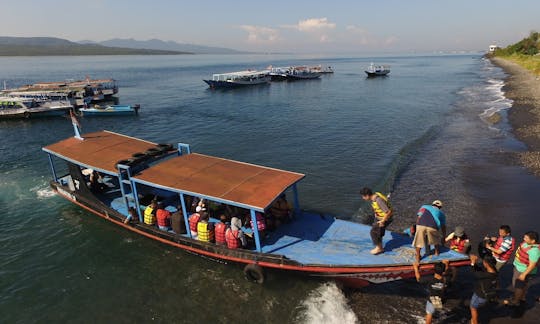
{"x": 45, "y": 193}
{"x": 327, "y": 304}
{"x": 500, "y": 102}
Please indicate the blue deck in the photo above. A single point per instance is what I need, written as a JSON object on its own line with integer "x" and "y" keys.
{"x": 312, "y": 239}
{"x": 316, "y": 240}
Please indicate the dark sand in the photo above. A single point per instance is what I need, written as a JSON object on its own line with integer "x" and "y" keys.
{"x": 523, "y": 87}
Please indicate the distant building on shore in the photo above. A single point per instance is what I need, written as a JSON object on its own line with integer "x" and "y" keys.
{"x": 493, "y": 48}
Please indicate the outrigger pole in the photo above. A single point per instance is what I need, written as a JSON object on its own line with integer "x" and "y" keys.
{"x": 76, "y": 125}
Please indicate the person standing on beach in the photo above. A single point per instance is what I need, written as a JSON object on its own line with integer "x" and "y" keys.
{"x": 501, "y": 247}
{"x": 436, "y": 287}
{"x": 430, "y": 228}
{"x": 485, "y": 284}
{"x": 525, "y": 263}
{"x": 383, "y": 217}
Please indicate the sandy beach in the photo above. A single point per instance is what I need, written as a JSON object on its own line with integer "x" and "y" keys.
{"x": 523, "y": 87}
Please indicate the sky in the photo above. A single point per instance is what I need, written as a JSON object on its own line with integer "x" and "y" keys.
{"x": 331, "y": 26}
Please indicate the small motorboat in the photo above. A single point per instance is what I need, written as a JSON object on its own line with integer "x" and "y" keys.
{"x": 110, "y": 110}
{"x": 238, "y": 79}
{"x": 377, "y": 70}
{"x": 17, "y": 107}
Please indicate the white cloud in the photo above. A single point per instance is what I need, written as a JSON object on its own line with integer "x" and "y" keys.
{"x": 312, "y": 25}
{"x": 260, "y": 34}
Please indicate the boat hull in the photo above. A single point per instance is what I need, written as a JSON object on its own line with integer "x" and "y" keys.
{"x": 376, "y": 74}
{"x": 235, "y": 84}
{"x": 115, "y": 110}
{"x": 25, "y": 114}
{"x": 352, "y": 276}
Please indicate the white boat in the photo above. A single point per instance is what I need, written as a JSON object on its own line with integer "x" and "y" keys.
{"x": 239, "y": 79}
{"x": 321, "y": 69}
{"x": 377, "y": 70}
{"x": 294, "y": 73}
{"x": 16, "y": 107}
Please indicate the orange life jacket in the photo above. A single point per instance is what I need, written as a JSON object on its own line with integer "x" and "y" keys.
{"x": 522, "y": 253}
{"x": 220, "y": 230}
{"x": 193, "y": 221}
{"x": 231, "y": 236}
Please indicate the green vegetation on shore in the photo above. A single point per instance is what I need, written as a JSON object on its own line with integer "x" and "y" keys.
{"x": 525, "y": 52}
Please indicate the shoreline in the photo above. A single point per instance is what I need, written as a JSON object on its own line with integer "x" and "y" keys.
{"x": 523, "y": 88}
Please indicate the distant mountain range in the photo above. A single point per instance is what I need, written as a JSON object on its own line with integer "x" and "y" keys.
{"x": 37, "y": 46}
{"x": 157, "y": 44}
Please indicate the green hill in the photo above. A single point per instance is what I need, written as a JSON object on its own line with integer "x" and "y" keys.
{"x": 525, "y": 52}
{"x": 47, "y": 46}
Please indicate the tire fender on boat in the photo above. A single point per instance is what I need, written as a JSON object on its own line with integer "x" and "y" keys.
{"x": 26, "y": 114}
{"x": 254, "y": 273}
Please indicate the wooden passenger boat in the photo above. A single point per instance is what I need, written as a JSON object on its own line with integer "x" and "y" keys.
{"x": 312, "y": 244}
{"x": 15, "y": 107}
{"x": 238, "y": 79}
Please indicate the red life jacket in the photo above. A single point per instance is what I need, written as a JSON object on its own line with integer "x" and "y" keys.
{"x": 163, "y": 217}
{"x": 522, "y": 253}
{"x": 506, "y": 255}
{"x": 261, "y": 222}
{"x": 459, "y": 246}
{"x": 193, "y": 221}
{"x": 231, "y": 236}
{"x": 220, "y": 230}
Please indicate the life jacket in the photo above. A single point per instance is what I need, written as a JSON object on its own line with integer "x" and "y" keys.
{"x": 377, "y": 209}
{"x": 204, "y": 233}
{"x": 505, "y": 256}
{"x": 459, "y": 246}
{"x": 193, "y": 221}
{"x": 522, "y": 253}
{"x": 231, "y": 236}
{"x": 163, "y": 217}
{"x": 220, "y": 230}
{"x": 149, "y": 216}
{"x": 261, "y": 222}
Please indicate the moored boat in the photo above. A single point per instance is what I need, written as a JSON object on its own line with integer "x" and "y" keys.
{"x": 79, "y": 92}
{"x": 135, "y": 171}
{"x": 238, "y": 79}
{"x": 377, "y": 70}
{"x": 15, "y": 107}
{"x": 110, "y": 110}
{"x": 321, "y": 69}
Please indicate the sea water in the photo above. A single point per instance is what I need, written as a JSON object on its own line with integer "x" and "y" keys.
{"x": 420, "y": 133}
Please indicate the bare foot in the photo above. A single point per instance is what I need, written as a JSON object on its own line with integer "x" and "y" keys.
{"x": 376, "y": 251}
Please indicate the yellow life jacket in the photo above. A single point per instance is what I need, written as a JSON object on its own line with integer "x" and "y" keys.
{"x": 203, "y": 233}
{"x": 149, "y": 217}
{"x": 377, "y": 209}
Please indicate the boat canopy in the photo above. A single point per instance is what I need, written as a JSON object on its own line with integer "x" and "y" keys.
{"x": 238, "y": 75}
{"x": 222, "y": 180}
{"x": 99, "y": 150}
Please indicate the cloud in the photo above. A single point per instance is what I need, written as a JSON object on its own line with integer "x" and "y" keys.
{"x": 312, "y": 25}
{"x": 260, "y": 34}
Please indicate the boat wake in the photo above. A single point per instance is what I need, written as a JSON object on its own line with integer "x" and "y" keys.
{"x": 327, "y": 304}
{"x": 43, "y": 193}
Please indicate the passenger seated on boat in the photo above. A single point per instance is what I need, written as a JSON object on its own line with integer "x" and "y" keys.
{"x": 281, "y": 210}
{"x": 132, "y": 216}
{"x": 96, "y": 182}
{"x": 234, "y": 236}
{"x": 261, "y": 223}
{"x": 194, "y": 220}
{"x": 177, "y": 221}
{"x": 163, "y": 217}
{"x": 205, "y": 229}
{"x": 150, "y": 213}
{"x": 220, "y": 229}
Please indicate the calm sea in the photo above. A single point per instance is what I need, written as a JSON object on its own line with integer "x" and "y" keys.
{"x": 418, "y": 133}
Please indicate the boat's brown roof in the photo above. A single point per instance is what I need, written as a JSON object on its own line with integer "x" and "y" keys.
{"x": 99, "y": 150}
{"x": 244, "y": 184}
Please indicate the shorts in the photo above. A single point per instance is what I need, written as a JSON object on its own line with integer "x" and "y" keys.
{"x": 477, "y": 302}
{"x": 430, "y": 308}
{"x": 433, "y": 236}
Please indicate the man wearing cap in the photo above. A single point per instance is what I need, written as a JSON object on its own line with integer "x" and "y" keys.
{"x": 459, "y": 241}
{"x": 430, "y": 223}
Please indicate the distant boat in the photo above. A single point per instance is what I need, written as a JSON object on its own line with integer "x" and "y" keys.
{"x": 15, "y": 107}
{"x": 78, "y": 92}
{"x": 294, "y": 73}
{"x": 377, "y": 70}
{"x": 323, "y": 70}
{"x": 239, "y": 79}
{"x": 111, "y": 110}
